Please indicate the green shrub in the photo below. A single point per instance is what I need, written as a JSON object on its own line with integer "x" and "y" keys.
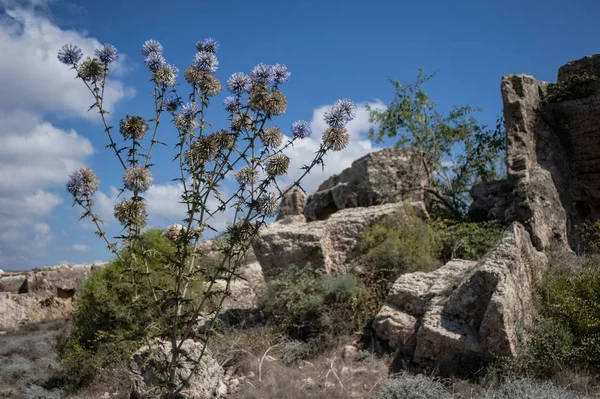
{"x": 465, "y": 240}
{"x": 315, "y": 309}
{"x": 406, "y": 386}
{"x": 112, "y": 316}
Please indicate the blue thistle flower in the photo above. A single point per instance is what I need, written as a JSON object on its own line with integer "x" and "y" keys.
{"x": 262, "y": 73}
{"x": 205, "y": 62}
{"x": 106, "y": 53}
{"x": 172, "y": 104}
{"x": 280, "y": 73}
{"x": 83, "y": 182}
{"x": 69, "y": 54}
{"x": 155, "y": 61}
{"x": 340, "y": 114}
{"x": 301, "y": 129}
{"x": 151, "y": 46}
{"x": 189, "y": 110}
{"x": 239, "y": 83}
{"x": 230, "y": 104}
{"x": 209, "y": 45}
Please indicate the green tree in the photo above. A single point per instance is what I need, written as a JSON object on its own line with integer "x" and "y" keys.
{"x": 454, "y": 149}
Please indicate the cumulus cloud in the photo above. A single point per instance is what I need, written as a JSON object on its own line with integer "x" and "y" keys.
{"x": 80, "y": 248}
{"x": 36, "y": 157}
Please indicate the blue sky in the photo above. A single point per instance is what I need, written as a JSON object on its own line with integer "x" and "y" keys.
{"x": 334, "y": 49}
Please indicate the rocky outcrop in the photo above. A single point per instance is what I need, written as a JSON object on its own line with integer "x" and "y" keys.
{"x": 465, "y": 311}
{"x": 146, "y": 372}
{"x": 324, "y": 245}
{"x": 292, "y": 204}
{"x": 41, "y": 295}
{"x": 384, "y": 176}
{"x": 490, "y": 201}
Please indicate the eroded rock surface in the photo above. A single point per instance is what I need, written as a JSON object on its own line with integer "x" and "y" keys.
{"x": 384, "y": 176}
{"x": 465, "y": 310}
{"x": 292, "y": 204}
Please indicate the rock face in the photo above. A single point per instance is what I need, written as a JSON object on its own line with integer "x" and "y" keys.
{"x": 388, "y": 175}
{"x": 145, "y": 373}
{"x": 323, "y": 245}
{"x": 292, "y": 204}
{"x": 490, "y": 201}
{"x": 465, "y": 311}
{"x": 41, "y": 296}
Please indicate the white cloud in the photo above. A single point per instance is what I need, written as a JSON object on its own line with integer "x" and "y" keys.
{"x": 80, "y": 248}
{"x": 36, "y": 157}
{"x": 304, "y": 150}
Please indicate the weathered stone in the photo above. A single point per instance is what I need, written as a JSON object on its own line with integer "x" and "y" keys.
{"x": 147, "y": 371}
{"x": 292, "y": 204}
{"x": 465, "y": 309}
{"x": 490, "y": 201}
{"x": 324, "y": 245}
{"x": 245, "y": 292}
{"x": 388, "y": 175}
{"x": 44, "y": 295}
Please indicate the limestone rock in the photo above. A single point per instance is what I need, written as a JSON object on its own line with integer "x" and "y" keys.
{"x": 465, "y": 309}
{"x": 146, "y": 373}
{"x": 388, "y": 175}
{"x": 292, "y": 204}
{"x": 323, "y": 245}
{"x": 245, "y": 292}
{"x": 490, "y": 201}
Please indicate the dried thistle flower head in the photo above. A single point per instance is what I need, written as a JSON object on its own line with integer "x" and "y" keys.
{"x": 137, "y": 179}
{"x": 276, "y": 103}
{"x": 268, "y": 204}
{"x": 166, "y": 75}
{"x": 272, "y": 137}
{"x": 241, "y": 122}
{"x": 133, "y": 127}
{"x": 186, "y": 118}
{"x": 131, "y": 213}
{"x": 277, "y": 165}
{"x": 225, "y": 140}
{"x": 92, "y": 70}
{"x": 172, "y": 104}
{"x": 173, "y": 232}
{"x": 246, "y": 176}
{"x": 210, "y": 84}
{"x": 336, "y": 138}
{"x": 202, "y": 150}
{"x": 192, "y": 75}
{"x": 83, "y": 182}
{"x": 259, "y": 97}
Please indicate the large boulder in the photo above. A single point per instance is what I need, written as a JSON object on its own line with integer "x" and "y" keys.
{"x": 292, "y": 204}
{"x": 324, "y": 246}
{"x": 147, "y": 371}
{"x": 465, "y": 311}
{"x": 42, "y": 295}
{"x": 384, "y": 176}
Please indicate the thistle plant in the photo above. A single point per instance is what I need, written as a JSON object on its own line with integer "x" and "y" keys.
{"x": 252, "y": 151}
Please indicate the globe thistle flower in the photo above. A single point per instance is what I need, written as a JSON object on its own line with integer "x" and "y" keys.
{"x": 209, "y": 45}
{"x": 242, "y": 231}
{"x": 107, "y": 53}
{"x": 259, "y": 97}
{"x": 277, "y": 165}
{"x": 239, "y": 83}
{"x": 173, "y": 232}
{"x": 246, "y": 176}
{"x": 202, "y": 150}
{"x": 262, "y": 74}
{"x": 186, "y": 121}
{"x": 276, "y": 103}
{"x": 155, "y": 61}
{"x": 301, "y": 129}
{"x": 230, "y": 104}
{"x": 336, "y": 138}
{"x": 69, "y": 54}
{"x": 166, "y": 75}
{"x": 137, "y": 179}
{"x": 151, "y": 46}
{"x": 131, "y": 213}
{"x": 242, "y": 122}
{"x": 267, "y": 204}
{"x": 192, "y": 75}
{"x": 271, "y": 137}
{"x": 340, "y": 114}
{"x": 133, "y": 127}
{"x": 210, "y": 84}
{"x": 224, "y": 139}
{"x": 83, "y": 182}
{"x": 172, "y": 104}
{"x": 280, "y": 73}
{"x": 205, "y": 61}
{"x": 92, "y": 70}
